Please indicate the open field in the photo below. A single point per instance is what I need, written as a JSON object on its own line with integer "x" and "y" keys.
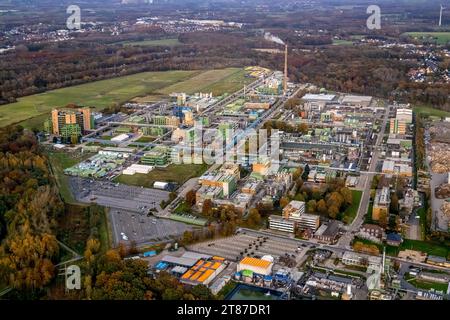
{"x": 432, "y": 248}
{"x": 152, "y": 43}
{"x": 172, "y": 173}
{"x": 428, "y": 285}
{"x": 438, "y": 37}
{"x": 216, "y": 81}
{"x": 31, "y": 111}
{"x": 424, "y": 110}
{"x": 342, "y": 43}
{"x": 350, "y": 214}
{"x": 98, "y": 94}
{"x": 146, "y": 139}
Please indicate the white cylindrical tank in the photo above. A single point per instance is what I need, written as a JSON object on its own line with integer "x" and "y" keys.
{"x": 267, "y": 258}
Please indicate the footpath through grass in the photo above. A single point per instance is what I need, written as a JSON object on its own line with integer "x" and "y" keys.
{"x": 60, "y": 161}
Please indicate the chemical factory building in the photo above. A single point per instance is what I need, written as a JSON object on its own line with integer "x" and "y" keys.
{"x": 259, "y": 266}
{"x": 204, "y": 271}
{"x": 319, "y": 97}
{"x": 363, "y": 101}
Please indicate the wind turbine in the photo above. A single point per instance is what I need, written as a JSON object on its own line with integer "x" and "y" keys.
{"x": 440, "y": 16}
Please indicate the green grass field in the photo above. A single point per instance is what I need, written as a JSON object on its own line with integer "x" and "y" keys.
{"x": 428, "y": 285}
{"x": 145, "y": 139}
{"x": 216, "y": 81}
{"x": 60, "y": 161}
{"x": 152, "y": 43}
{"x": 438, "y": 37}
{"x": 342, "y": 42}
{"x": 31, "y": 111}
{"x": 432, "y": 248}
{"x": 98, "y": 94}
{"x": 172, "y": 173}
{"x": 350, "y": 214}
{"x": 429, "y": 111}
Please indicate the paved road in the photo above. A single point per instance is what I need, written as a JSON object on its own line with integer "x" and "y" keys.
{"x": 339, "y": 249}
{"x": 366, "y": 178}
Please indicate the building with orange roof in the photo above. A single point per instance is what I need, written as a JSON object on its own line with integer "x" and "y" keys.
{"x": 204, "y": 271}
{"x": 259, "y": 266}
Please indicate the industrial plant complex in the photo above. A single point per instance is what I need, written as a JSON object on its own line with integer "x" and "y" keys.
{"x": 339, "y": 191}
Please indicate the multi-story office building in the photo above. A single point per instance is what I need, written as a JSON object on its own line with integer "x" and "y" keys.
{"x": 381, "y": 203}
{"x": 62, "y": 117}
{"x": 281, "y": 224}
{"x": 307, "y": 221}
{"x": 294, "y": 217}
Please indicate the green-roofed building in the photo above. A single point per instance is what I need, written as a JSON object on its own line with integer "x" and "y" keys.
{"x": 158, "y": 156}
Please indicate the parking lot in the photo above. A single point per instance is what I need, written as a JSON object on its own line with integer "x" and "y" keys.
{"x": 237, "y": 246}
{"x": 128, "y": 226}
{"x": 120, "y": 196}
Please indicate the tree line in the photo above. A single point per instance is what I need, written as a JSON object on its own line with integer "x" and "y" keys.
{"x": 29, "y": 209}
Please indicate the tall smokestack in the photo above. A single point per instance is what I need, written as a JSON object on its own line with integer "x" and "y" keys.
{"x": 285, "y": 69}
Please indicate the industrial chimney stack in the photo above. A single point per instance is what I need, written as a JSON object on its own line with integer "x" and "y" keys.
{"x": 285, "y": 69}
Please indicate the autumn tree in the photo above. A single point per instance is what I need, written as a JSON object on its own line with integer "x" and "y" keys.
{"x": 207, "y": 208}
{"x": 394, "y": 206}
{"x": 333, "y": 211}
{"x": 347, "y": 195}
{"x": 311, "y": 206}
{"x": 322, "y": 206}
{"x": 284, "y": 201}
{"x": 254, "y": 218}
{"x": 190, "y": 198}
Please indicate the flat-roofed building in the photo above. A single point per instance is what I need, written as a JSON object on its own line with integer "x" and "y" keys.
{"x": 438, "y": 261}
{"x": 158, "y": 156}
{"x": 388, "y": 167}
{"x": 362, "y": 101}
{"x": 281, "y": 224}
{"x": 308, "y": 222}
{"x": 294, "y": 209}
{"x": 405, "y": 115}
{"x": 401, "y": 121}
{"x": 381, "y": 203}
{"x": 204, "y": 271}
{"x": 259, "y": 266}
{"x": 353, "y": 259}
{"x": 319, "y": 97}
{"x": 257, "y": 105}
{"x": 262, "y": 168}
